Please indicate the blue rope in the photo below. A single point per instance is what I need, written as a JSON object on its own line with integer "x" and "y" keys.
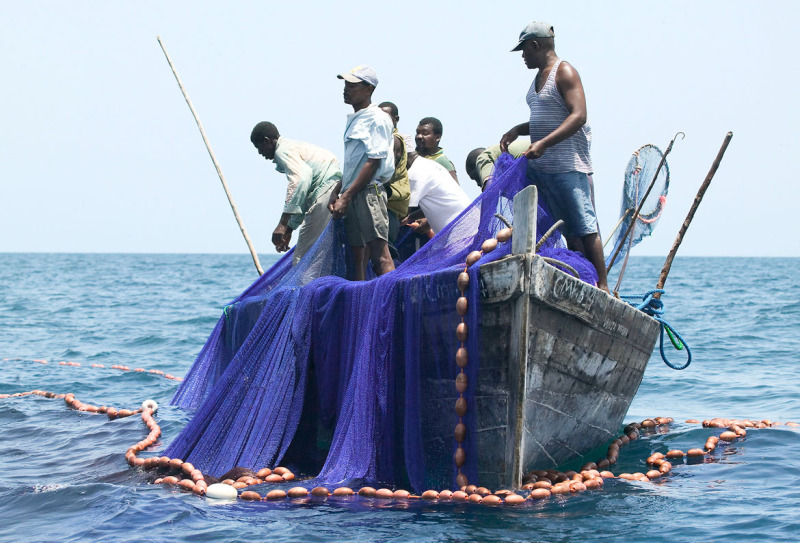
{"x": 655, "y": 308}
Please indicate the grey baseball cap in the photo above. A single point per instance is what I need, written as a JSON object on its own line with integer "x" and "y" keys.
{"x": 537, "y": 29}
{"x": 359, "y": 74}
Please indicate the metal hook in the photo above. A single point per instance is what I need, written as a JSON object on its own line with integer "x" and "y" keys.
{"x": 683, "y": 136}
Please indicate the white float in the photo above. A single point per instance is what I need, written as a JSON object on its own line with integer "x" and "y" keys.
{"x": 218, "y": 491}
{"x": 151, "y": 405}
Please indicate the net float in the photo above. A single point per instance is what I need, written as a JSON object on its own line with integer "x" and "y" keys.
{"x": 401, "y": 494}
{"x": 539, "y": 493}
{"x": 367, "y": 492}
{"x": 489, "y": 245}
{"x": 473, "y": 257}
{"x": 221, "y": 492}
{"x": 462, "y": 357}
{"x": 445, "y": 494}
{"x": 320, "y": 492}
{"x": 462, "y": 305}
{"x": 250, "y": 495}
{"x": 384, "y": 494}
{"x": 276, "y": 494}
{"x": 343, "y": 491}
{"x": 263, "y": 473}
{"x": 475, "y": 498}
{"x": 492, "y": 500}
{"x": 297, "y": 492}
{"x": 513, "y": 499}
{"x": 463, "y": 281}
{"x": 504, "y": 235}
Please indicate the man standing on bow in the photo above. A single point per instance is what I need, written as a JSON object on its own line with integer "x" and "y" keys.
{"x": 368, "y": 163}
{"x": 559, "y": 160}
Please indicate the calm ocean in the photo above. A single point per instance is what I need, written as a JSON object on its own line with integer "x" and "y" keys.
{"x": 63, "y": 475}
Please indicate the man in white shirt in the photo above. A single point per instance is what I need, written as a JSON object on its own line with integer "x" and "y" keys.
{"x": 368, "y": 163}
{"x": 434, "y": 193}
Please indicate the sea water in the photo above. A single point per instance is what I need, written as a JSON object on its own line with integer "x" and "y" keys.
{"x": 63, "y": 475}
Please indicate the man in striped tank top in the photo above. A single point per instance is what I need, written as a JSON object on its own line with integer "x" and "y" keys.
{"x": 559, "y": 160}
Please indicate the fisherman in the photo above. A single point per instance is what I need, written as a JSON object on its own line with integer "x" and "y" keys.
{"x": 398, "y": 189}
{"x": 433, "y": 193}
{"x": 480, "y": 161}
{"x": 312, "y": 173}
{"x": 559, "y": 160}
{"x": 429, "y": 133}
{"x": 359, "y": 196}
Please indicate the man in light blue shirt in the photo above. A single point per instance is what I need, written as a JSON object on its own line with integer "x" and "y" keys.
{"x": 368, "y": 163}
{"x": 312, "y": 173}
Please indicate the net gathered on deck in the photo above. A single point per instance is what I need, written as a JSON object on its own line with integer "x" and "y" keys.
{"x": 337, "y": 378}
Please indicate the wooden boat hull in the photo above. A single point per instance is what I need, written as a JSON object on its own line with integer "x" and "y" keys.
{"x": 560, "y": 363}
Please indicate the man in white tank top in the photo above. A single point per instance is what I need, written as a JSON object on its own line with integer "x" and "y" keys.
{"x": 559, "y": 160}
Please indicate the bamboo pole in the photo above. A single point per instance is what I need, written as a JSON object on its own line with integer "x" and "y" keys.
{"x": 697, "y": 199}
{"x": 214, "y": 160}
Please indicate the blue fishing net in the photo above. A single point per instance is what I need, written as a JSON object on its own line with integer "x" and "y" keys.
{"x": 314, "y": 371}
{"x": 639, "y": 174}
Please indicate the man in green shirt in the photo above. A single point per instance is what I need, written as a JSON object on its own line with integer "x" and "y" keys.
{"x": 312, "y": 173}
{"x": 398, "y": 189}
{"x": 480, "y": 161}
{"x": 429, "y": 133}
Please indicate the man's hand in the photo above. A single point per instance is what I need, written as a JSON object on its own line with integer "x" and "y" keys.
{"x": 535, "y": 150}
{"x": 423, "y": 227}
{"x": 281, "y": 237}
{"x": 507, "y": 138}
{"x": 338, "y": 207}
{"x": 287, "y": 239}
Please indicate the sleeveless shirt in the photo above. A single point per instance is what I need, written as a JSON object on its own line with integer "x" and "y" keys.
{"x": 548, "y": 111}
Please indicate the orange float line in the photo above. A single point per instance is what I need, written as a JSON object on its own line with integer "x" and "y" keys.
{"x": 99, "y": 366}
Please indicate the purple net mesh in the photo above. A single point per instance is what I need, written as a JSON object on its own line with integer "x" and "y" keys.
{"x": 329, "y": 376}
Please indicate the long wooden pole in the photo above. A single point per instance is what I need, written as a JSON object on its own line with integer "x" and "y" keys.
{"x": 214, "y": 160}
{"x": 697, "y": 199}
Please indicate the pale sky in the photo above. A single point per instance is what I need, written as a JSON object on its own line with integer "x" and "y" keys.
{"x": 100, "y": 153}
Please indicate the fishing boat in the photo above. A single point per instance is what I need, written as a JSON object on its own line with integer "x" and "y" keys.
{"x": 357, "y": 382}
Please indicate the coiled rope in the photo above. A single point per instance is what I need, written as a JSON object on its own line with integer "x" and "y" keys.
{"x": 655, "y": 308}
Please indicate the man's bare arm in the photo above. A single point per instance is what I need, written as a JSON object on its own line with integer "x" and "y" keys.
{"x": 523, "y": 129}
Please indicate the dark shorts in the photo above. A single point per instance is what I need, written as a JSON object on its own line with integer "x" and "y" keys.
{"x": 569, "y": 198}
{"x": 367, "y": 218}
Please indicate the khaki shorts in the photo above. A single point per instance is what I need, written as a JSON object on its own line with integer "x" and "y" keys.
{"x": 367, "y": 219}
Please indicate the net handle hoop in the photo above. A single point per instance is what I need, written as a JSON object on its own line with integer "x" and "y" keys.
{"x": 642, "y": 201}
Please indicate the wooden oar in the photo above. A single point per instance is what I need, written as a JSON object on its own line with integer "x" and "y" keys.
{"x": 214, "y": 160}
{"x": 697, "y": 199}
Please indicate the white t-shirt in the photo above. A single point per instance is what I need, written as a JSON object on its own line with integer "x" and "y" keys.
{"x": 434, "y": 191}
